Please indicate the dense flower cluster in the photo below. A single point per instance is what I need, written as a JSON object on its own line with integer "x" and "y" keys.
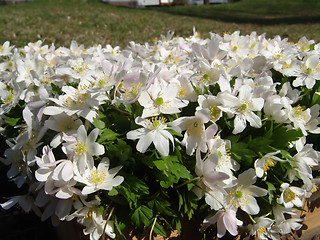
{"x": 150, "y": 134}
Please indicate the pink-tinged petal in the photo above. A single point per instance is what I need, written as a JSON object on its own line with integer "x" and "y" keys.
{"x": 230, "y": 221}
{"x": 145, "y": 142}
{"x": 221, "y": 227}
{"x": 211, "y": 180}
{"x": 67, "y": 171}
{"x": 211, "y": 131}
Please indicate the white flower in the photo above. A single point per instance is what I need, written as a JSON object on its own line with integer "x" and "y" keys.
{"x": 81, "y": 148}
{"x": 212, "y": 103}
{"x": 100, "y": 178}
{"x": 243, "y": 107}
{"x": 61, "y": 123}
{"x": 5, "y": 49}
{"x": 161, "y": 99}
{"x": 262, "y": 228}
{"x": 226, "y": 220}
{"x": 243, "y": 194}
{"x": 283, "y": 224}
{"x": 77, "y": 101}
{"x": 195, "y": 135}
{"x": 153, "y": 132}
{"x": 307, "y": 72}
{"x": 290, "y": 196}
{"x": 262, "y": 165}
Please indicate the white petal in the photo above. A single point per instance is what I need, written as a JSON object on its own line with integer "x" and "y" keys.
{"x": 254, "y": 120}
{"x": 239, "y": 124}
{"x": 89, "y": 189}
{"x": 161, "y": 144}
{"x": 250, "y": 206}
{"x": 93, "y": 135}
{"x": 144, "y": 142}
{"x": 230, "y": 222}
{"x": 42, "y": 174}
{"x": 96, "y": 149}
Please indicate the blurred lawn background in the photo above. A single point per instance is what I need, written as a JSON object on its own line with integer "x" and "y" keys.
{"x": 91, "y": 22}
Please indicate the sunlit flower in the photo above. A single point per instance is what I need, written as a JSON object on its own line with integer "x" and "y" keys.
{"x": 226, "y": 220}
{"x": 81, "y": 148}
{"x": 155, "y": 132}
{"x": 100, "y": 178}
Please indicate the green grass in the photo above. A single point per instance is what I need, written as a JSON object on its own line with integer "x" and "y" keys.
{"x": 91, "y": 22}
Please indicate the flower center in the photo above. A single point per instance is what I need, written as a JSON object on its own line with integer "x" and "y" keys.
{"x": 159, "y": 101}
{"x": 289, "y": 195}
{"x": 97, "y": 177}
{"x": 194, "y": 128}
{"x": 238, "y": 194}
{"x": 269, "y": 164}
{"x": 156, "y": 123}
{"x": 80, "y": 148}
{"x": 215, "y": 112}
{"x": 261, "y": 232}
{"x": 298, "y": 113}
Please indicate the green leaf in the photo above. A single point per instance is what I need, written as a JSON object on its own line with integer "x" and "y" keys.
{"x": 107, "y": 135}
{"x": 316, "y": 98}
{"x": 158, "y": 229}
{"x": 171, "y": 170}
{"x": 162, "y": 206}
{"x": 261, "y": 144}
{"x": 119, "y": 150}
{"x": 241, "y": 152}
{"x": 119, "y": 226}
{"x": 56, "y": 90}
{"x": 142, "y": 216}
{"x": 271, "y": 189}
{"x": 12, "y": 121}
{"x": 282, "y": 137}
{"x": 113, "y": 192}
{"x": 98, "y": 123}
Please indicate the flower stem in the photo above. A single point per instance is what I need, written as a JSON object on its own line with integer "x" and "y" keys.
{"x": 153, "y": 224}
{"x": 189, "y": 181}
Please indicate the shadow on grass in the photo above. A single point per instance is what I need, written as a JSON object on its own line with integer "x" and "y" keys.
{"x": 252, "y": 16}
